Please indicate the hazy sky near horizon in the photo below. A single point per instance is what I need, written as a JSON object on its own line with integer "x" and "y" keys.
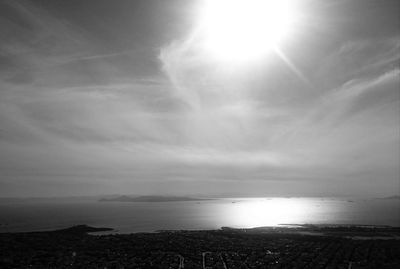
{"x": 100, "y": 97}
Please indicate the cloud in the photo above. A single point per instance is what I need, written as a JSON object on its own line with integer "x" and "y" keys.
{"x": 323, "y": 131}
{"x": 360, "y": 59}
{"x": 74, "y": 112}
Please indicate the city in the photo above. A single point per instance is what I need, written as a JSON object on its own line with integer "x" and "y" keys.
{"x": 214, "y": 249}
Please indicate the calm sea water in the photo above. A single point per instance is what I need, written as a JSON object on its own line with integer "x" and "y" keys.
{"x": 212, "y": 214}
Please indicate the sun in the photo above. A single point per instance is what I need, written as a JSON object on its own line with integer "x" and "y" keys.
{"x": 245, "y": 29}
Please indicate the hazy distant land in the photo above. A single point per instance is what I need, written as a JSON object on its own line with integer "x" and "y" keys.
{"x": 158, "y": 198}
{"x": 394, "y": 197}
{"x": 152, "y": 198}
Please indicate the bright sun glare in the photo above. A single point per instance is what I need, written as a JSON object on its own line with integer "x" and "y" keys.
{"x": 245, "y": 29}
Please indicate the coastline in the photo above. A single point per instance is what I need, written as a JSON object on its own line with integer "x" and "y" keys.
{"x": 336, "y": 230}
{"x": 271, "y": 247}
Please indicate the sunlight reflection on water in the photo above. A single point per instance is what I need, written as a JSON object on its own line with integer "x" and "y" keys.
{"x": 277, "y": 211}
{"x": 194, "y": 215}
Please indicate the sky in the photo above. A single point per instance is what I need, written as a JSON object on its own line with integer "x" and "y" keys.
{"x": 115, "y": 97}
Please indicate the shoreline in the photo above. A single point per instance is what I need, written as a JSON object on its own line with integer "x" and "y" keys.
{"x": 336, "y": 230}
{"x": 271, "y": 247}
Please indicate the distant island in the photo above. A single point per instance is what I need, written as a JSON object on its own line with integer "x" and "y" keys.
{"x": 152, "y": 198}
{"x": 82, "y": 229}
{"x": 394, "y": 197}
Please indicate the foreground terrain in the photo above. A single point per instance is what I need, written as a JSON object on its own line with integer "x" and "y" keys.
{"x": 296, "y": 247}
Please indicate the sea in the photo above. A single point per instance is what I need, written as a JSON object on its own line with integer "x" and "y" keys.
{"x": 131, "y": 217}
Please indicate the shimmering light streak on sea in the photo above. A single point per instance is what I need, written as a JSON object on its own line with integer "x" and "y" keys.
{"x": 276, "y": 211}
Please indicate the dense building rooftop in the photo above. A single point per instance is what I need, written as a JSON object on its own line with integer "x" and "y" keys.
{"x": 304, "y": 247}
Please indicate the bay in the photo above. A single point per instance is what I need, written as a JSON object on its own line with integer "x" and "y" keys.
{"x": 129, "y": 217}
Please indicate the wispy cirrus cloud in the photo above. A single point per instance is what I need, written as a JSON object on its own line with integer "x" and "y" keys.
{"x": 76, "y": 112}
